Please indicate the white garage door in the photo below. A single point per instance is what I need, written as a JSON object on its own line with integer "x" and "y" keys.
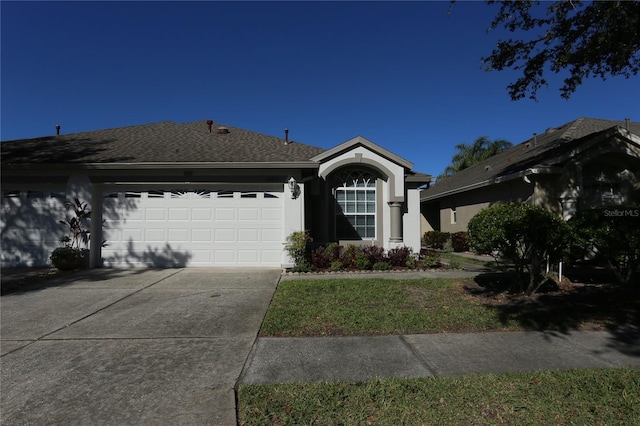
{"x": 29, "y": 226}
{"x": 193, "y": 228}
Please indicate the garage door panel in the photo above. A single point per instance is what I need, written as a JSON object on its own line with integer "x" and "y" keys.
{"x": 248, "y": 256}
{"x": 201, "y": 257}
{"x": 153, "y": 214}
{"x": 248, "y": 235}
{"x": 225, "y": 214}
{"x": 198, "y": 235}
{"x": 198, "y": 214}
{"x": 155, "y": 235}
{"x": 132, "y": 235}
{"x": 179, "y": 235}
{"x": 248, "y": 213}
{"x": 224, "y": 235}
{"x": 111, "y": 235}
{"x": 224, "y": 256}
{"x": 216, "y": 229}
{"x": 133, "y": 215}
{"x": 272, "y": 235}
{"x": 178, "y": 214}
{"x": 270, "y": 256}
{"x": 272, "y": 214}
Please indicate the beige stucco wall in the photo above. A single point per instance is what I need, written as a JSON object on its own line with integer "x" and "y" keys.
{"x": 468, "y": 204}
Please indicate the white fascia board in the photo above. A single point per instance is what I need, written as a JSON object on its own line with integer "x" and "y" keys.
{"x": 359, "y": 140}
{"x": 151, "y": 166}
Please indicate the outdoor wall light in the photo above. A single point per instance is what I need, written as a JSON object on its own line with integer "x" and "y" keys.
{"x": 293, "y": 188}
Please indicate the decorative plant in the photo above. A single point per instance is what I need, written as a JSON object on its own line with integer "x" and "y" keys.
{"x": 69, "y": 256}
{"x": 77, "y": 225}
{"x": 297, "y": 247}
{"x": 430, "y": 260}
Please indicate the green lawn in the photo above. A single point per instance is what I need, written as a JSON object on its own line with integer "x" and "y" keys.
{"x": 368, "y": 306}
{"x": 376, "y": 306}
{"x": 575, "y": 397}
{"x": 462, "y": 259}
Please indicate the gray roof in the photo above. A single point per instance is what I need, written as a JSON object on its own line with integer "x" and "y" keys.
{"x": 541, "y": 150}
{"x": 164, "y": 142}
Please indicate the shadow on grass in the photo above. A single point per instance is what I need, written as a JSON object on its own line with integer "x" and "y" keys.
{"x": 584, "y": 300}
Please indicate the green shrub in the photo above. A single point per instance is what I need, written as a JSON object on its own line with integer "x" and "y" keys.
{"x": 436, "y": 239}
{"x": 612, "y": 234}
{"x": 375, "y": 254}
{"x": 381, "y": 266}
{"x": 66, "y": 258}
{"x": 362, "y": 261}
{"x": 398, "y": 256}
{"x": 297, "y": 247}
{"x": 336, "y": 265}
{"x": 430, "y": 260}
{"x": 525, "y": 234}
{"x": 320, "y": 258}
{"x": 348, "y": 257}
{"x": 460, "y": 241}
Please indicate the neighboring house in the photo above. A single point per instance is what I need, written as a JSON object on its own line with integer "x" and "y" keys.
{"x": 583, "y": 164}
{"x": 202, "y": 194}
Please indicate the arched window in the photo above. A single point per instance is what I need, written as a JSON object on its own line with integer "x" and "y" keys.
{"x": 355, "y": 193}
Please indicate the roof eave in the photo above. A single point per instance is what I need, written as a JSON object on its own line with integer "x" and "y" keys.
{"x": 359, "y": 140}
{"x": 169, "y": 165}
{"x": 537, "y": 170}
{"x": 419, "y": 179}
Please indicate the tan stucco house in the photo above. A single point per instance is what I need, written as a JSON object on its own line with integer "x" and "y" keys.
{"x": 586, "y": 163}
{"x": 202, "y": 194}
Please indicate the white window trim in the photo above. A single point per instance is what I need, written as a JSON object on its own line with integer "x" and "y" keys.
{"x": 358, "y": 181}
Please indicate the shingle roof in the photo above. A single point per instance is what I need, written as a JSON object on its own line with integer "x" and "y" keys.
{"x": 540, "y": 150}
{"x": 164, "y": 142}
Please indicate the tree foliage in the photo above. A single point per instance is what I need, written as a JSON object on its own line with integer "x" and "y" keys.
{"x": 470, "y": 154}
{"x": 524, "y": 234}
{"x": 587, "y": 39}
{"x": 612, "y": 234}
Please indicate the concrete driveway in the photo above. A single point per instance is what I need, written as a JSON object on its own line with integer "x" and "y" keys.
{"x": 125, "y": 347}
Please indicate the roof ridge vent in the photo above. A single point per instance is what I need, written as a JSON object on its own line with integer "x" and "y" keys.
{"x": 222, "y": 130}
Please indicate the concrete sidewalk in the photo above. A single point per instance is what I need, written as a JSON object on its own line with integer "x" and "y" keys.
{"x": 361, "y": 358}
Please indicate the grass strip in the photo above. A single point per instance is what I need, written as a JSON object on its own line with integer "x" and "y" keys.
{"x": 590, "y": 396}
{"x": 377, "y": 306}
{"x": 464, "y": 259}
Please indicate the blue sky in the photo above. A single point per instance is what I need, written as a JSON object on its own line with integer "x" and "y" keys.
{"x": 402, "y": 74}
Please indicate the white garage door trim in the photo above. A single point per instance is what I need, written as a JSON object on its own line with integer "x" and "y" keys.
{"x": 168, "y": 228}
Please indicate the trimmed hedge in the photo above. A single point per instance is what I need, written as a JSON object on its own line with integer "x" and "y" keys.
{"x": 460, "y": 241}
{"x": 436, "y": 239}
{"x": 352, "y": 257}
